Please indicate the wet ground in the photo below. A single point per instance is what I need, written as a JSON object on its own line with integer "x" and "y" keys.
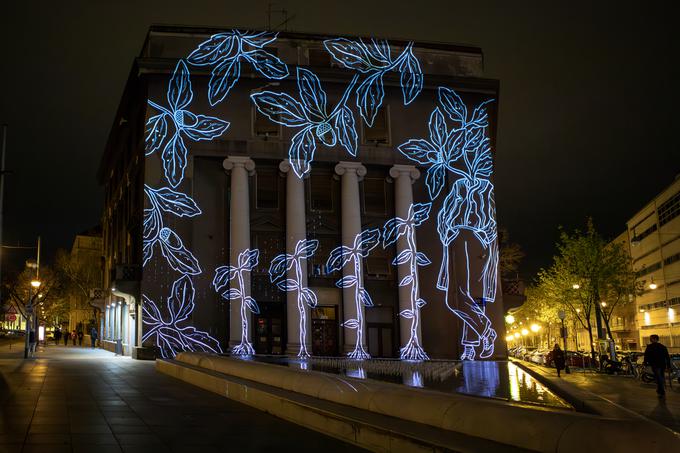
{"x": 77, "y": 399}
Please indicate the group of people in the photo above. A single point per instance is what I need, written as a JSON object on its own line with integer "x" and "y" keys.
{"x": 75, "y": 335}
{"x": 656, "y": 357}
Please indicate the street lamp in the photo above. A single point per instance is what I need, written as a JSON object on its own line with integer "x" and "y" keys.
{"x": 535, "y": 328}
{"x": 510, "y": 319}
{"x": 575, "y": 286}
{"x": 35, "y": 283}
{"x": 525, "y": 332}
{"x": 653, "y": 285}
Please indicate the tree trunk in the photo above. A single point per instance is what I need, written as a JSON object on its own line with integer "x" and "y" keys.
{"x": 609, "y": 330}
{"x": 590, "y": 335}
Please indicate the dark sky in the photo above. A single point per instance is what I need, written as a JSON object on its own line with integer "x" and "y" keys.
{"x": 587, "y": 108}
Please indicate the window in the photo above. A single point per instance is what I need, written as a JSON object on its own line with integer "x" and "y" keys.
{"x": 672, "y": 259}
{"x": 379, "y": 133}
{"x": 266, "y": 188}
{"x": 669, "y": 210}
{"x": 319, "y": 57}
{"x": 648, "y": 270}
{"x": 378, "y": 263}
{"x": 374, "y": 195}
{"x": 321, "y": 192}
{"x": 263, "y": 126}
{"x": 317, "y": 262}
{"x": 644, "y": 234}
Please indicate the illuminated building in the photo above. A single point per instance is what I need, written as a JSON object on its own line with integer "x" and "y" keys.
{"x": 227, "y": 142}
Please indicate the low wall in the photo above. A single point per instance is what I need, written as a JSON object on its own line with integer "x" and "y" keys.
{"x": 538, "y": 429}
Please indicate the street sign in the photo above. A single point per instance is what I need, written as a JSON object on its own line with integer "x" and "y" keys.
{"x": 11, "y": 310}
{"x": 11, "y": 317}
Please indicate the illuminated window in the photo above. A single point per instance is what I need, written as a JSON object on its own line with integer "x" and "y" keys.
{"x": 380, "y": 132}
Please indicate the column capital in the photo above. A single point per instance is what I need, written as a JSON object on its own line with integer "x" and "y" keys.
{"x": 232, "y": 162}
{"x": 399, "y": 170}
{"x": 348, "y": 167}
{"x": 286, "y": 168}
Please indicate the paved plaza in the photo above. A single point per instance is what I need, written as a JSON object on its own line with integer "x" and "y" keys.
{"x": 72, "y": 399}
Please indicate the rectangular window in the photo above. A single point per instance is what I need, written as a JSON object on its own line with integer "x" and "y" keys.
{"x": 379, "y": 133}
{"x": 266, "y": 188}
{"x": 317, "y": 263}
{"x": 374, "y": 196}
{"x": 669, "y": 210}
{"x": 321, "y": 192}
{"x": 263, "y": 126}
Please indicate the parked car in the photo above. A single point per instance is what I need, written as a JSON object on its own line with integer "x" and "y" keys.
{"x": 573, "y": 359}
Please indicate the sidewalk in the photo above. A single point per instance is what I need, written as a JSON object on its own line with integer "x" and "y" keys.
{"x": 625, "y": 393}
{"x": 72, "y": 399}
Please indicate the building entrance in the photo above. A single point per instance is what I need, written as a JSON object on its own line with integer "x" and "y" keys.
{"x": 325, "y": 331}
{"x": 268, "y": 330}
{"x": 380, "y": 340}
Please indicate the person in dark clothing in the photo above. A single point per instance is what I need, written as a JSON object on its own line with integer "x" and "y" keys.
{"x": 558, "y": 358}
{"x": 657, "y": 357}
{"x": 93, "y": 337}
{"x": 57, "y": 336}
{"x": 31, "y": 343}
{"x": 73, "y": 337}
{"x": 80, "y": 337}
{"x": 66, "y": 337}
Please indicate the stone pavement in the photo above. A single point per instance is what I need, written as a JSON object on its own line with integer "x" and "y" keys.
{"x": 626, "y": 392}
{"x": 72, "y": 399}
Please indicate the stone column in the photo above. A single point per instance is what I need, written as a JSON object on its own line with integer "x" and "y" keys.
{"x": 239, "y": 232}
{"x": 296, "y": 230}
{"x": 351, "y": 173}
{"x": 404, "y": 176}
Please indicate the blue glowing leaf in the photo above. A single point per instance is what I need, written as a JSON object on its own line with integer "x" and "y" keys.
{"x": 408, "y": 314}
{"x": 435, "y": 179}
{"x": 301, "y": 152}
{"x": 403, "y": 257}
{"x": 365, "y": 298}
{"x": 147, "y": 251}
{"x": 419, "y": 212}
{"x": 393, "y": 229}
{"x": 420, "y": 303}
{"x": 223, "y": 275}
{"x": 287, "y": 285}
{"x": 211, "y": 51}
{"x": 152, "y": 224}
{"x": 380, "y": 50}
{"x": 422, "y": 259}
{"x": 480, "y": 118}
{"x": 280, "y": 108}
{"x": 222, "y": 79}
{"x": 181, "y": 300}
{"x": 338, "y": 257}
{"x": 438, "y": 131}
{"x": 267, "y": 64}
{"x": 308, "y": 297}
{"x": 454, "y": 146}
{"x": 313, "y": 97}
{"x": 174, "y": 160}
{"x": 174, "y": 202}
{"x": 367, "y": 241}
{"x": 248, "y": 259}
{"x": 252, "y": 305}
{"x": 411, "y": 77}
{"x": 370, "y": 96}
{"x": 406, "y": 280}
{"x": 306, "y": 248}
{"x": 179, "y": 91}
{"x": 231, "y": 293}
{"x": 152, "y": 314}
{"x": 278, "y": 267}
{"x": 179, "y": 258}
{"x": 346, "y": 131}
{"x": 156, "y": 130}
{"x": 346, "y": 281}
{"x": 351, "y": 324}
{"x": 206, "y": 128}
{"x": 351, "y": 54}
{"x": 196, "y": 340}
{"x": 420, "y": 151}
{"x": 260, "y": 39}
{"x": 453, "y": 105}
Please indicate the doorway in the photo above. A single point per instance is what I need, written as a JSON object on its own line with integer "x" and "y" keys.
{"x": 268, "y": 331}
{"x": 325, "y": 331}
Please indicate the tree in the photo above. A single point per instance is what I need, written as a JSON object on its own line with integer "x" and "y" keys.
{"x": 79, "y": 275}
{"x": 510, "y": 254}
{"x": 46, "y": 301}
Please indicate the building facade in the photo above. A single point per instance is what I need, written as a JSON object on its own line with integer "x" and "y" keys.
{"x": 86, "y": 256}
{"x": 654, "y": 235}
{"x": 302, "y": 194}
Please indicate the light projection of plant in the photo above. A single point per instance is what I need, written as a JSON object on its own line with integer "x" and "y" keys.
{"x": 195, "y": 127}
{"x": 277, "y": 274}
{"x": 247, "y": 260}
{"x": 364, "y": 242}
{"x": 392, "y": 231}
{"x": 169, "y": 336}
{"x": 310, "y": 114}
{"x": 374, "y": 59}
{"x": 465, "y": 152}
{"x": 178, "y": 204}
{"x": 226, "y": 51}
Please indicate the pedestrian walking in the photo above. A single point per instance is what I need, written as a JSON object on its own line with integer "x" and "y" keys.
{"x": 66, "y": 337}
{"x": 93, "y": 336}
{"x": 558, "y": 358}
{"x": 80, "y": 337}
{"x": 657, "y": 357}
{"x": 57, "y": 336}
{"x": 73, "y": 337}
{"x": 31, "y": 343}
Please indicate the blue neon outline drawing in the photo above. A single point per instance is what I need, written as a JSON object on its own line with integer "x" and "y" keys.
{"x": 392, "y": 231}
{"x": 465, "y": 152}
{"x": 169, "y": 336}
{"x": 310, "y": 114}
{"x": 226, "y": 51}
{"x": 247, "y": 260}
{"x": 374, "y": 60}
{"x": 278, "y": 269}
{"x": 364, "y": 242}
{"x": 178, "y": 204}
{"x": 194, "y": 127}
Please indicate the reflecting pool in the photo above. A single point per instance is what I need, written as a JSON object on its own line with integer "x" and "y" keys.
{"x": 487, "y": 379}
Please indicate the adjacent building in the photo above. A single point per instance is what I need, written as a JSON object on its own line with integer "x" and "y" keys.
{"x": 252, "y": 181}
{"x": 86, "y": 259}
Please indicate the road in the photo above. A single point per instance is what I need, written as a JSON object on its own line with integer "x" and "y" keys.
{"x": 72, "y": 399}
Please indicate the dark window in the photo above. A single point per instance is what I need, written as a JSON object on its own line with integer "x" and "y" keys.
{"x": 317, "y": 263}
{"x": 321, "y": 192}
{"x": 266, "y": 187}
{"x": 379, "y": 133}
{"x": 645, "y": 233}
{"x": 672, "y": 259}
{"x": 648, "y": 270}
{"x": 319, "y": 57}
{"x": 374, "y": 195}
{"x": 263, "y": 126}
{"x": 378, "y": 263}
{"x": 669, "y": 210}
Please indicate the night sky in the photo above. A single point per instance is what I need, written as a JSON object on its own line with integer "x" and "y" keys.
{"x": 587, "y": 121}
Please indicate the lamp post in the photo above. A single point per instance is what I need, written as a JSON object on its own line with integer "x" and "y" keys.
{"x": 35, "y": 284}
{"x": 563, "y": 315}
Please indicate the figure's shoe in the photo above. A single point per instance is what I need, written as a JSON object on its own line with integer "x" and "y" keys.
{"x": 468, "y": 353}
{"x": 488, "y": 342}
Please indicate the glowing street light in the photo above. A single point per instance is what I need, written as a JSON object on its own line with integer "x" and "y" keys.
{"x": 653, "y": 285}
{"x": 516, "y": 334}
{"x": 35, "y": 283}
{"x": 576, "y": 286}
{"x": 578, "y": 310}
{"x": 509, "y": 338}
{"x": 535, "y": 328}
{"x": 510, "y": 319}
{"x": 604, "y": 304}
{"x": 525, "y": 332}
